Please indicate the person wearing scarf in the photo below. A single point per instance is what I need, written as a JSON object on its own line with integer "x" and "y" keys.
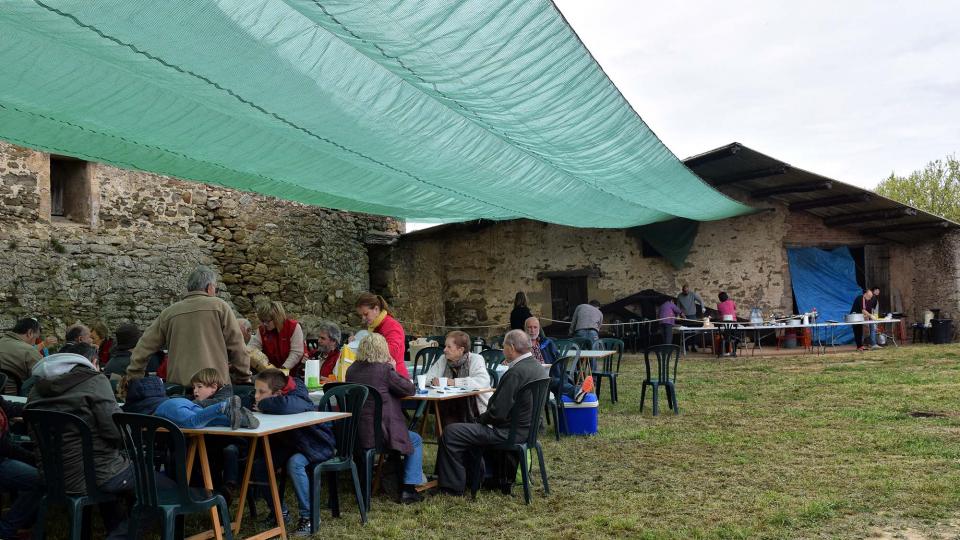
{"x": 463, "y": 369}
{"x": 372, "y": 309}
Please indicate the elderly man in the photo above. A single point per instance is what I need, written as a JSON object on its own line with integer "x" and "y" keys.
{"x": 546, "y": 352}
{"x": 79, "y": 333}
{"x": 328, "y": 347}
{"x": 200, "y": 331}
{"x": 18, "y": 354}
{"x": 493, "y": 426}
{"x": 586, "y": 322}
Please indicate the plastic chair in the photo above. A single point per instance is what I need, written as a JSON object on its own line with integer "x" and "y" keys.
{"x": 569, "y": 347}
{"x": 350, "y": 398}
{"x": 379, "y": 446}
{"x": 666, "y": 355}
{"x": 585, "y": 344}
{"x": 494, "y": 377}
{"x": 140, "y": 433}
{"x": 611, "y": 367}
{"x": 536, "y": 392}
{"x": 556, "y": 405}
{"x": 50, "y": 428}
{"x": 492, "y": 357}
{"x": 425, "y": 359}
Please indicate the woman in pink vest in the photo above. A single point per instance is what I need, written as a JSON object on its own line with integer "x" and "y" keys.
{"x": 280, "y": 338}
{"x": 372, "y": 308}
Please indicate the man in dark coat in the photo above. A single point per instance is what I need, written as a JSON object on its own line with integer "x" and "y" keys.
{"x": 493, "y": 426}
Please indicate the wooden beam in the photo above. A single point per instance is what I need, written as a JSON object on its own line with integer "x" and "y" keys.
{"x": 830, "y": 201}
{"x": 876, "y": 215}
{"x": 906, "y": 227}
{"x": 749, "y": 175}
{"x": 793, "y": 188}
{"x": 713, "y": 156}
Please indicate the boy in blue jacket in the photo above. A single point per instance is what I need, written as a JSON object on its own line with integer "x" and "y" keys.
{"x": 277, "y": 393}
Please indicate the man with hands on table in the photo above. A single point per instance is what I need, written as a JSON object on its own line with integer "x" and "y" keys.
{"x": 493, "y": 426}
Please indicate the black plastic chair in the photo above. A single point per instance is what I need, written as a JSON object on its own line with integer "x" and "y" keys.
{"x": 350, "y": 398}
{"x": 141, "y": 434}
{"x": 556, "y": 406}
{"x": 536, "y": 392}
{"x": 492, "y": 357}
{"x": 425, "y": 359}
{"x": 379, "y": 446}
{"x": 611, "y": 367}
{"x": 53, "y": 430}
{"x": 585, "y": 344}
{"x": 494, "y": 377}
{"x": 667, "y": 356}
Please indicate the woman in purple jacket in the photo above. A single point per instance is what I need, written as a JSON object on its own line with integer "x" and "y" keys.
{"x": 374, "y": 367}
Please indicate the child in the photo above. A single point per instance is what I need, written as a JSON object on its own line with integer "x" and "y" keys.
{"x": 209, "y": 387}
{"x": 277, "y": 393}
{"x": 148, "y": 396}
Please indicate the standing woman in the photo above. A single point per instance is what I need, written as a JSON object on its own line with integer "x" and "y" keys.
{"x": 372, "y": 309}
{"x": 520, "y": 312}
{"x": 280, "y": 338}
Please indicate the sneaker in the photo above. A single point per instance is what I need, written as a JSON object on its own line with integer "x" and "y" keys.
{"x": 301, "y": 529}
{"x": 410, "y": 496}
{"x": 232, "y": 410}
{"x": 247, "y": 419}
{"x": 860, "y": 349}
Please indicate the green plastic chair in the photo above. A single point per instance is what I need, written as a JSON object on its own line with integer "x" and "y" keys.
{"x": 668, "y": 356}
{"x": 350, "y": 398}
{"x": 492, "y": 358}
{"x": 611, "y": 367}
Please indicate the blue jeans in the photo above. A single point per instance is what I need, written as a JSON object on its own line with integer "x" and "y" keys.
{"x": 297, "y": 467}
{"x": 25, "y": 480}
{"x": 413, "y": 463}
{"x": 873, "y": 334}
{"x": 187, "y": 414}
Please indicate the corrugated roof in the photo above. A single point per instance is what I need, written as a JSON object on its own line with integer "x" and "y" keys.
{"x": 840, "y": 205}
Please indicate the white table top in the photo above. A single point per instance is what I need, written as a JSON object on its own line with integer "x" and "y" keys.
{"x": 15, "y": 399}
{"x": 596, "y": 354}
{"x": 434, "y": 395}
{"x": 720, "y": 325}
{"x": 273, "y": 423}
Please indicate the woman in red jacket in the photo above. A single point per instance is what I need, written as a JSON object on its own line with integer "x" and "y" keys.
{"x": 372, "y": 309}
{"x": 279, "y": 337}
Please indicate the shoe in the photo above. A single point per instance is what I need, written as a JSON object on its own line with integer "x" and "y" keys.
{"x": 410, "y": 496}
{"x": 578, "y": 398}
{"x": 860, "y": 349}
{"x": 232, "y": 410}
{"x": 875, "y": 347}
{"x": 301, "y": 529}
{"x": 247, "y": 419}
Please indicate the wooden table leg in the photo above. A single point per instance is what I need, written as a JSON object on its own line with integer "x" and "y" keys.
{"x": 191, "y": 454}
{"x": 272, "y": 480}
{"x": 245, "y": 486}
{"x": 436, "y": 416}
{"x": 208, "y": 483}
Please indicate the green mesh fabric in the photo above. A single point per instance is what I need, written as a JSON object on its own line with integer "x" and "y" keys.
{"x": 427, "y": 110}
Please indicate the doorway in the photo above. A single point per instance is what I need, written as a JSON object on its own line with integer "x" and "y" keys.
{"x": 566, "y": 293}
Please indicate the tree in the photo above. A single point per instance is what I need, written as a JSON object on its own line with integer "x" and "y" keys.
{"x": 934, "y": 189}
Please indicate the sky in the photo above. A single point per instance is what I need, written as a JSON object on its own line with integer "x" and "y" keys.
{"x": 852, "y": 90}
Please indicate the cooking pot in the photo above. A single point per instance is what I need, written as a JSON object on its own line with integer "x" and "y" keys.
{"x": 854, "y": 317}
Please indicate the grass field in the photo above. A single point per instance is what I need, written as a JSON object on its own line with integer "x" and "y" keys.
{"x": 787, "y": 447}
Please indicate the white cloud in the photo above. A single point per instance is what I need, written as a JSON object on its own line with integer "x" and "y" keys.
{"x": 851, "y": 90}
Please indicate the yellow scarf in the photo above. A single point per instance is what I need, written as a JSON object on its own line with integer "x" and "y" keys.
{"x": 378, "y": 321}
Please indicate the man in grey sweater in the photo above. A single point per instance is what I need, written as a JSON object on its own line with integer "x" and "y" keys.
{"x": 493, "y": 426}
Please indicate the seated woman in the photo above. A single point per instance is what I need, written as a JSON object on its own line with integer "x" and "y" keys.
{"x": 374, "y": 367}
{"x": 279, "y": 337}
{"x": 461, "y": 368}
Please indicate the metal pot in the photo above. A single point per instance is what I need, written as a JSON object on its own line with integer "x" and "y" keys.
{"x": 854, "y": 317}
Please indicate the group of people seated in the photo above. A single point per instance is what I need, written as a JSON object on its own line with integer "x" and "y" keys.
{"x": 200, "y": 344}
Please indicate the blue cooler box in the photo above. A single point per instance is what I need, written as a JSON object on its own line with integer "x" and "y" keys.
{"x": 582, "y": 418}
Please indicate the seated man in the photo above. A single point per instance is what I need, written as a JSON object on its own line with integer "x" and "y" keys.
{"x": 546, "y": 352}
{"x": 70, "y": 381}
{"x": 17, "y": 353}
{"x": 493, "y": 426}
{"x": 328, "y": 348}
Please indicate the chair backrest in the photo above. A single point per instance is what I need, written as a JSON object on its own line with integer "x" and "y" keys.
{"x": 536, "y": 393}
{"x": 11, "y": 377}
{"x": 494, "y": 377}
{"x": 53, "y": 431}
{"x": 612, "y": 344}
{"x": 492, "y": 357}
{"x": 145, "y": 437}
{"x": 584, "y": 343}
{"x": 667, "y": 356}
{"x": 425, "y": 359}
{"x": 569, "y": 348}
{"x": 350, "y": 398}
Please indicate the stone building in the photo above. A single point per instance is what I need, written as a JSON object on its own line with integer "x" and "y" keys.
{"x": 86, "y": 241}
{"x": 467, "y": 274}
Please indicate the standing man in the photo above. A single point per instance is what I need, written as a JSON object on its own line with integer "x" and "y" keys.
{"x": 862, "y": 305}
{"x": 687, "y": 301}
{"x": 18, "y": 354}
{"x": 586, "y": 322}
{"x": 200, "y": 331}
{"x": 493, "y": 426}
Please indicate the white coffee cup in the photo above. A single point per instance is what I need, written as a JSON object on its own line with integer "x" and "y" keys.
{"x": 443, "y": 382}
{"x": 421, "y": 381}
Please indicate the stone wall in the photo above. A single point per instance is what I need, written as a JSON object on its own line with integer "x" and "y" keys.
{"x": 146, "y": 232}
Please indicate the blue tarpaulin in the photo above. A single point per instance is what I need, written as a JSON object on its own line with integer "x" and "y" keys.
{"x": 826, "y": 280}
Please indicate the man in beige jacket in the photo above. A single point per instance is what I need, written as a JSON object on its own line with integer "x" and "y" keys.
{"x": 200, "y": 331}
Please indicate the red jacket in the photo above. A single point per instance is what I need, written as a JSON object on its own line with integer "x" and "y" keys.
{"x": 329, "y": 362}
{"x": 391, "y": 330}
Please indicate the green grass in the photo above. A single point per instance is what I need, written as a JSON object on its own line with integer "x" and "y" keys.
{"x": 788, "y": 447}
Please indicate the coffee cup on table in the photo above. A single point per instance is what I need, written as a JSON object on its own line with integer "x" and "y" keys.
{"x": 442, "y": 382}
{"x": 421, "y": 381}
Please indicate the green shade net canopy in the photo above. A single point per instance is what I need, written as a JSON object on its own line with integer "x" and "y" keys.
{"x": 420, "y": 109}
